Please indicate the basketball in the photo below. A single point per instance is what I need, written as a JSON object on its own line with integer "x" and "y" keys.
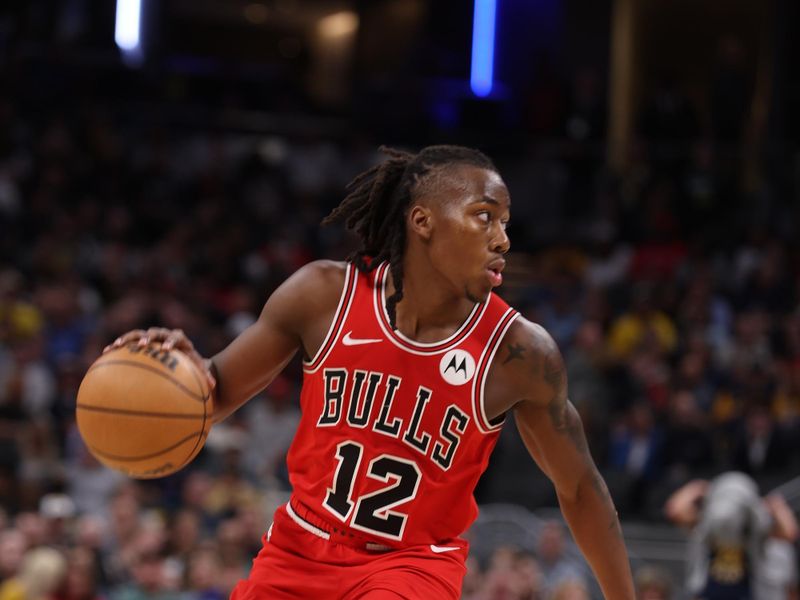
{"x": 144, "y": 411}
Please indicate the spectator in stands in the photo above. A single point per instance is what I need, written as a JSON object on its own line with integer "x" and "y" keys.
{"x": 528, "y": 575}
{"x": 636, "y": 444}
{"x": 41, "y": 573}
{"x": 570, "y": 589}
{"x": 555, "y": 564}
{"x": 12, "y": 551}
{"x": 589, "y": 389}
{"x": 19, "y": 317}
{"x": 642, "y": 327}
{"x": 232, "y": 544}
{"x": 652, "y": 584}
{"x": 730, "y": 524}
{"x": 687, "y": 447}
{"x": 185, "y": 534}
{"x": 760, "y": 448}
{"x": 149, "y": 580}
{"x": 80, "y": 582}
{"x": 511, "y": 575}
{"x": 473, "y": 580}
{"x": 204, "y": 575}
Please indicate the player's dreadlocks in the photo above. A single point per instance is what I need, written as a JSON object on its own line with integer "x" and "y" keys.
{"x": 377, "y": 200}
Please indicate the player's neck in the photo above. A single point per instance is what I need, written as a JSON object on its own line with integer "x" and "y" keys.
{"x": 428, "y": 312}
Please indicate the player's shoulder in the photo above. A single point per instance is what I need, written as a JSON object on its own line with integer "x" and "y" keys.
{"x": 530, "y": 334}
{"x": 527, "y": 359}
{"x": 319, "y": 277}
{"x": 314, "y": 288}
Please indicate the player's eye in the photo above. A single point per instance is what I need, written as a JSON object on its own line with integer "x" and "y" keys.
{"x": 504, "y": 224}
{"x": 485, "y": 216}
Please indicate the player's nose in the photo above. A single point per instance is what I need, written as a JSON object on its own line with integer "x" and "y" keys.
{"x": 500, "y": 241}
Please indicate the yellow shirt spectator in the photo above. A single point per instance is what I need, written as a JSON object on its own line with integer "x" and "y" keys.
{"x": 630, "y": 331}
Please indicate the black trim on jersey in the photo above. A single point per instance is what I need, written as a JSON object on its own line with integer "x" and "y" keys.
{"x": 412, "y": 346}
{"x": 498, "y": 420}
{"x": 339, "y": 317}
{"x": 482, "y": 371}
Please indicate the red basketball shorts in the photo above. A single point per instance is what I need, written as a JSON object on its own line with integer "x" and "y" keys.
{"x": 296, "y": 561}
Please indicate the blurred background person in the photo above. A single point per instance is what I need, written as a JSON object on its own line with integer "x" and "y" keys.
{"x": 730, "y": 528}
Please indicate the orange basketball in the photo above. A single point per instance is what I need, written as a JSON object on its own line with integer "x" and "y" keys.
{"x": 144, "y": 411}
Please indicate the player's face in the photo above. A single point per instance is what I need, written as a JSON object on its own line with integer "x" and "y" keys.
{"x": 468, "y": 232}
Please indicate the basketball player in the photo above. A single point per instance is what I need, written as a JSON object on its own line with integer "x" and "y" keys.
{"x": 740, "y": 544}
{"x": 411, "y": 367}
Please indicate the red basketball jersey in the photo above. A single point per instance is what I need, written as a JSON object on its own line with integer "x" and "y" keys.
{"x": 394, "y": 435}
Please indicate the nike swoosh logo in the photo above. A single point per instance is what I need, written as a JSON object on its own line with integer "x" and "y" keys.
{"x": 348, "y": 340}
{"x": 440, "y": 549}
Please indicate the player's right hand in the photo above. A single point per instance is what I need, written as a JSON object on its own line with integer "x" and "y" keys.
{"x": 167, "y": 339}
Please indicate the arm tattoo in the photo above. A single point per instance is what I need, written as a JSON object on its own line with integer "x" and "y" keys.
{"x": 555, "y": 377}
{"x": 514, "y": 351}
{"x": 564, "y": 419}
{"x": 601, "y": 490}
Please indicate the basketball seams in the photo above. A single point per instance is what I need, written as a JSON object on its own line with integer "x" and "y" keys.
{"x": 133, "y": 363}
{"x": 200, "y": 435}
{"x": 146, "y": 456}
{"x": 138, "y": 413}
{"x": 190, "y": 366}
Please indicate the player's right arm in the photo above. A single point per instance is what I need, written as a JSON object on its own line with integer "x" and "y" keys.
{"x": 296, "y": 315}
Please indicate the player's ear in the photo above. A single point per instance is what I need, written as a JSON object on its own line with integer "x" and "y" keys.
{"x": 420, "y": 220}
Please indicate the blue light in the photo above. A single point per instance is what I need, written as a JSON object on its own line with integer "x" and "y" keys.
{"x": 481, "y": 78}
{"x": 126, "y": 31}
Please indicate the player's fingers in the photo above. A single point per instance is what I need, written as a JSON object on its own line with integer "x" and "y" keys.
{"x": 154, "y": 334}
{"x": 177, "y": 339}
{"x": 125, "y": 338}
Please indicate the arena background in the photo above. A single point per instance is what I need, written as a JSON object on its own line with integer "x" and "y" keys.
{"x": 175, "y": 177}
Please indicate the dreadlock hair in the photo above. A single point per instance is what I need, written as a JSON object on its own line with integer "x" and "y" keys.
{"x": 377, "y": 201}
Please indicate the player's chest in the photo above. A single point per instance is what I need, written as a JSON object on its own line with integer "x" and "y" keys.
{"x": 426, "y": 405}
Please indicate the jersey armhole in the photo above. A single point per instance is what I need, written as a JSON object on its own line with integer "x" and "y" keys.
{"x": 345, "y": 300}
{"x": 484, "y": 363}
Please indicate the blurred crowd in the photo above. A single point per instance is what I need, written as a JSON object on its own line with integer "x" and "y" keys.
{"x": 671, "y": 287}
{"x": 141, "y": 549}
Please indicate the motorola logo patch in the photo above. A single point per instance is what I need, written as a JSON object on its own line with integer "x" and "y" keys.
{"x": 457, "y": 367}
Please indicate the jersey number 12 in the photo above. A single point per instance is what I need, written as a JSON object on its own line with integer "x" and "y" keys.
{"x": 373, "y": 512}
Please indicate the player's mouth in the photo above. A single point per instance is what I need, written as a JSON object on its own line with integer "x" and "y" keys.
{"x": 495, "y": 271}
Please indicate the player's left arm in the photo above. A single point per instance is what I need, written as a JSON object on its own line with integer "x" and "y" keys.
{"x": 533, "y": 369}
